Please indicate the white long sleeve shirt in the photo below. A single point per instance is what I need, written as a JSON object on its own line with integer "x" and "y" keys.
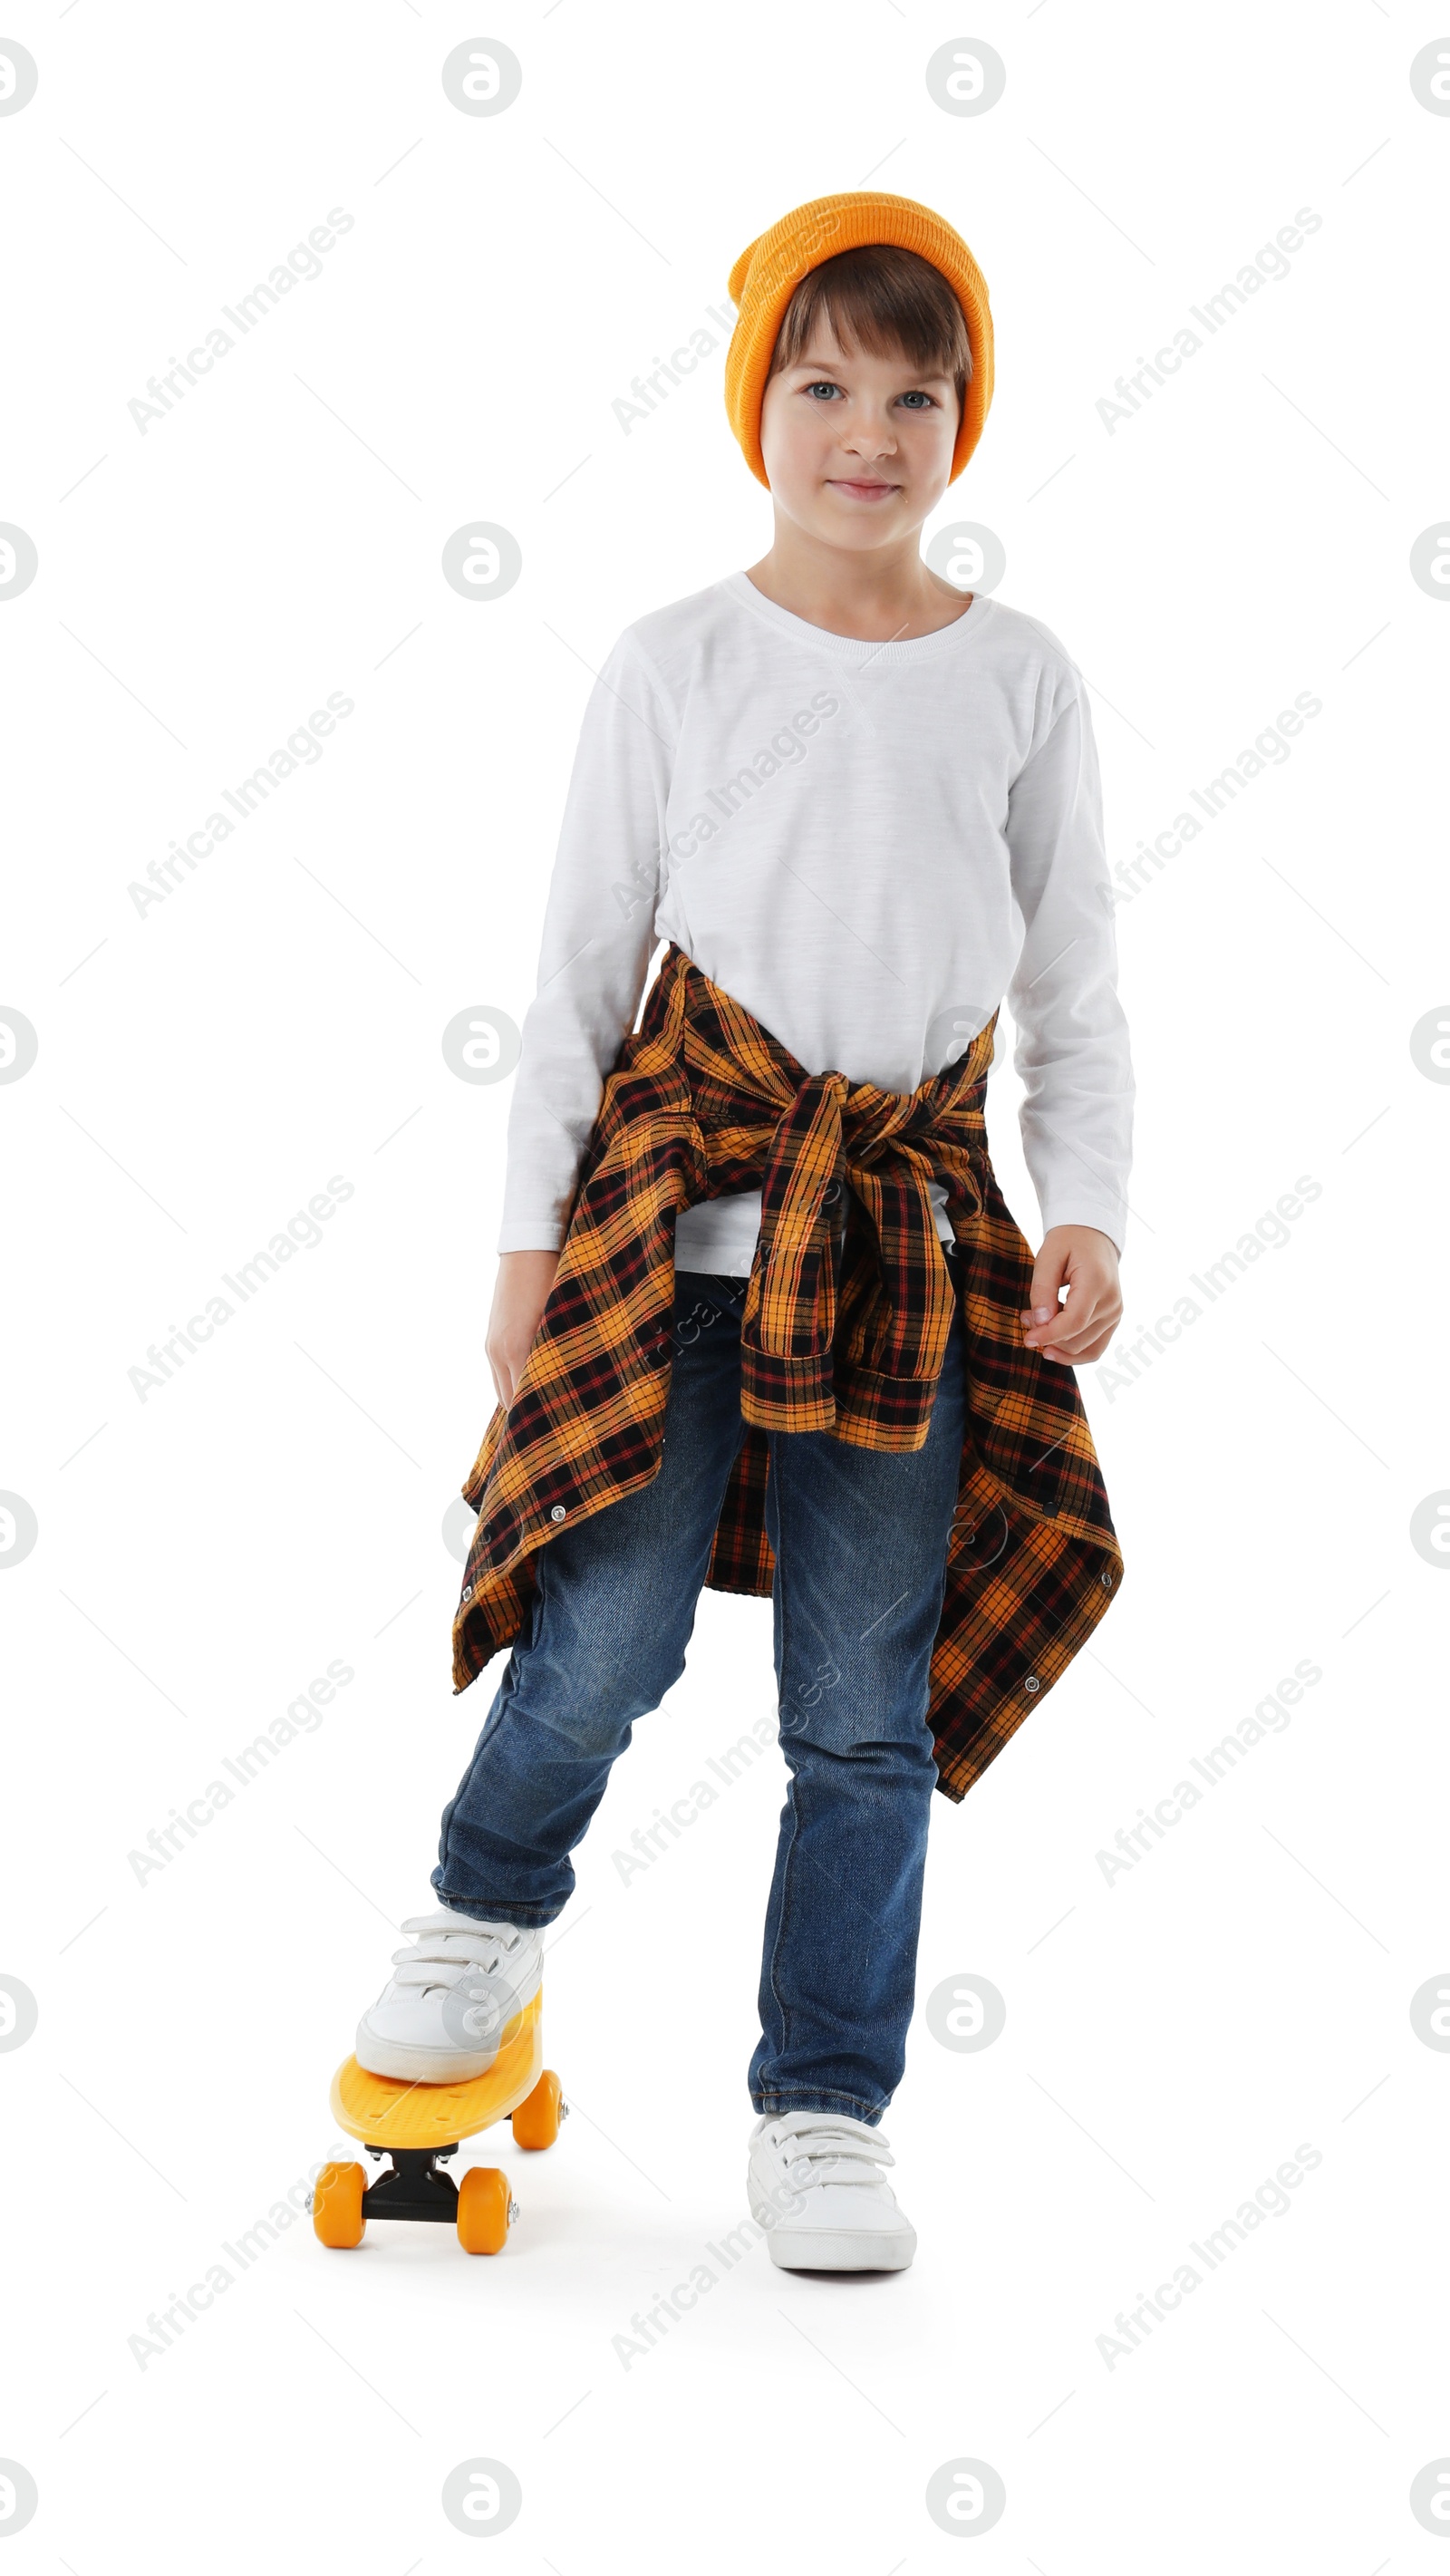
{"x": 869, "y": 846}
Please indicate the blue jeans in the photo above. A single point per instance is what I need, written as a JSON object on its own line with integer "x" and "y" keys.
{"x": 860, "y": 1539}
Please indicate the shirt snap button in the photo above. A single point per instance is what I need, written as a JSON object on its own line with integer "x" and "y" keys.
{"x": 1106, "y": 1581}
{"x": 468, "y": 1592}
{"x": 1032, "y": 1683}
{"x": 557, "y": 1514}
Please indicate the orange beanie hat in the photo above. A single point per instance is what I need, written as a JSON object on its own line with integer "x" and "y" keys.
{"x": 769, "y": 270}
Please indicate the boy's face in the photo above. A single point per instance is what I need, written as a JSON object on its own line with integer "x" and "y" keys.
{"x": 858, "y": 449}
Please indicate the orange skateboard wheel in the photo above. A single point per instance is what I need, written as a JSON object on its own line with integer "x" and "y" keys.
{"x": 337, "y": 2205}
{"x": 536, "y": 2121}
{"x": 484, "y": 2210}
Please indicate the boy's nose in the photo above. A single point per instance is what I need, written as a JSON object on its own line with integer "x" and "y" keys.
{"x": 864, "y": 444}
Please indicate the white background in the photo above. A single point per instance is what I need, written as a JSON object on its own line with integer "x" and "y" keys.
{"x": 1171, "y": 2037}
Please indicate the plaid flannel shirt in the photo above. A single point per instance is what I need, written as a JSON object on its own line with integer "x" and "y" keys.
{"x": 844, "y": 1329}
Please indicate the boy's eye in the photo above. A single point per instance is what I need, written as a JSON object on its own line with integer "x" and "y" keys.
{"x": 823, "y": 385}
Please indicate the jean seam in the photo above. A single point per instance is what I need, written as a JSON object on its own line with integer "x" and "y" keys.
{"x": 776, "y": 2105}
{"x": 793, "y": 1782}
{"x": 502, "y": 1696}
{"x": 781, "y": 2006}
{"x": 485, "y": 1913}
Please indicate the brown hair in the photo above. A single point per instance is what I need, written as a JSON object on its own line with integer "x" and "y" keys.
{"x": 881, "y": 298}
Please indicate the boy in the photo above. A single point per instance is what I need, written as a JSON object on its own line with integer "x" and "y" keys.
{"x": 761, "y": 1316}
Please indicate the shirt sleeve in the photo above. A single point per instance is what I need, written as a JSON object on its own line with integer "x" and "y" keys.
{"x": 1072, "y": 1052}
{"x": 598, "y": 938}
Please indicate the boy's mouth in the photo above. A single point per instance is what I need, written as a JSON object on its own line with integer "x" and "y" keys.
{"x": 870, "y": 490}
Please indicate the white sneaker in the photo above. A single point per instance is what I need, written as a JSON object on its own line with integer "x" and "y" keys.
{"x": 440, "y": 2017}
{"x": 814, "y": 2186}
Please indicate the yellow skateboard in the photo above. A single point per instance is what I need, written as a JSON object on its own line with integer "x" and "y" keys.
{"x": 418, "y": 2125}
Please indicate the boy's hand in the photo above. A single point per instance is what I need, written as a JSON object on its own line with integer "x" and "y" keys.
{"x": 1084, "y": 1261}
{"x": 520, "y": 1295}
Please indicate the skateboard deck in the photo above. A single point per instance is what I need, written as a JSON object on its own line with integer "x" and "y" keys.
{"x": 418, "y": 2125}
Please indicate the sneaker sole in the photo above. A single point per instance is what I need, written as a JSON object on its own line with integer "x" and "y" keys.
{"x": 799, "y": 2249}
{"x": 420, "y": 2065}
